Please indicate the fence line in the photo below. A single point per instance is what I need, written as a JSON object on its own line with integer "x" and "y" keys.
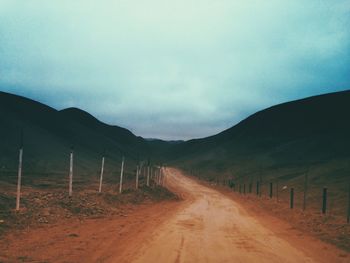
{"x": 147, "y": 172}
{"x": 324, "y": 206}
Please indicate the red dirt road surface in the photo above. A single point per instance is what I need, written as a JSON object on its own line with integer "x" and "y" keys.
{"x": 213, "y": 228}
{"x": 207, "y": 226}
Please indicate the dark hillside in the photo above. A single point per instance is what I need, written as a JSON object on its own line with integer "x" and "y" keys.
{"x": 281, "y": 143}
{"x": 49, "y": 135}
{"x": 307, "y": 121}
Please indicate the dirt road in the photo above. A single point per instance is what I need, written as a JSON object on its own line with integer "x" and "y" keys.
{"x": 207, "y": 226}
{"x": 213, "y": 228}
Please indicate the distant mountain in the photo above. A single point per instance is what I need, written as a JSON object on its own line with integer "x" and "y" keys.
{"x": 284, "y": 140}
{"x": 161, "y": 141}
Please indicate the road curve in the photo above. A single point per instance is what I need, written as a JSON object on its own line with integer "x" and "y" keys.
{"x": 213, "y": 228}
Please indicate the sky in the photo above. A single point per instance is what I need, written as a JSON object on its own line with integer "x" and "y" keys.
{"x": 173, "y": 69}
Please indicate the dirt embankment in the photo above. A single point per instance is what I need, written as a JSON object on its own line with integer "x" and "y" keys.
{"x": 40, "y": 206}
{"x": 49, "y": 222}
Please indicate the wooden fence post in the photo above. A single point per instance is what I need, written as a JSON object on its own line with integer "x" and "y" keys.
{"x": 348, "y": 216}
{"x": 257, "y": 188}
{"x": 271, "y": 190}
{"x": 71, "y": 173}
{"x": 291, "y": 198}
{"x": 277, "y": 190}
{"x": 101, "y": 175}
{"x": 324, "y": 200}
{"x": 243, "y": 188}
{"x": 260, "y": 182}
{"x": 305, "y": 191}
{"x": 19, "y": 179}
{"x": 121, "y": 177}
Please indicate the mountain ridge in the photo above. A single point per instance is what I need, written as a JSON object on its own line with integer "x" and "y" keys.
{"x": 276, "y": 136}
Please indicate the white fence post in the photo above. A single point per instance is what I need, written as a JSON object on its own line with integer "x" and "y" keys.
{"x": 19, "y": 181}
{"x": 164, "y": 177}
{"x": 137, "y": 177}
{"x": 160, "y": 176}
{"x": 155, "y": 176}
{"x": 101, "y": 175}
{"x": 71, "y": 174}
{"x": 148, "y": 175}
{"x": 121, "y": 177}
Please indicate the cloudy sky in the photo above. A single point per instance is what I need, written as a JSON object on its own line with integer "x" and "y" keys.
{"x": 173, "y": 69}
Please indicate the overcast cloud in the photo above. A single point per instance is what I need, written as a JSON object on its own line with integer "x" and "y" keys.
{"x": 173, "y": 69}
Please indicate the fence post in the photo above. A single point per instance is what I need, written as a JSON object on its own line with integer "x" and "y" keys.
{"x": 137, "y": 177}
{"x": 271, "y": 190}
{"x": 243, "y": 188}
{"x": 260, "y": 182}
{"x": 19, "y": 179}
{"x": 305, "y": 191}
{"x": 277, "y": 190}
{"x": 148, "y": 175}
{"x": 156, "y": 175}
{"x": 164, "y": 177}
{"x": 291, "y": 198}
{"x": 348, "y": 216}
{"x": 257, "y": 188}
{"x": 151, "y": 174}
{"x": 121, "y": 177}
{"x": 71, "y": 173}
{"x": 324, "y": 200}
{"x": 250, "y": 187}
{"x": 160, "y": 175}
{"x": 101, "y": 175}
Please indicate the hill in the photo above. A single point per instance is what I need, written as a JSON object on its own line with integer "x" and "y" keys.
{"x": 279, "y": 144}
{"x": 49, "y": 135}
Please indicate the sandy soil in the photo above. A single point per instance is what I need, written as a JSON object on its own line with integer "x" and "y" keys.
{"x": 207, "y": 226}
